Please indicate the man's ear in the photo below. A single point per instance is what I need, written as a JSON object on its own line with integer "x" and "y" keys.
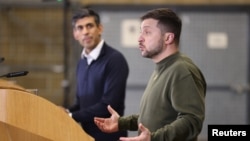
{"x": 100, "y": 27}
{"x": 169, "y": 38}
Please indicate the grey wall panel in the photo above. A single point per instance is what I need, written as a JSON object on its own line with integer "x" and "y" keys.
{"x": 221, "y": 67}
{"x": 224, "y": 108}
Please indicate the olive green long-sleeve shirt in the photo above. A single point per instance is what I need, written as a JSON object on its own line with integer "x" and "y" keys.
{"x": 173, "y": 104}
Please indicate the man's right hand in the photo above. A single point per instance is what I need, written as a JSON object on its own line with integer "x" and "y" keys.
{"x": 108, "y": 125}
{"x": 63, "y": 109}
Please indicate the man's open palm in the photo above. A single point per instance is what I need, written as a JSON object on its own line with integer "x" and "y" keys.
{"x": 108, "y": 125}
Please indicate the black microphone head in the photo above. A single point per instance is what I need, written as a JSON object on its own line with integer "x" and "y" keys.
{"x": 15, "y": 74}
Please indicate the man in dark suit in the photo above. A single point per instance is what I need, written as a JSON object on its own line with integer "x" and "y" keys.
{"x": 102, "y": 74}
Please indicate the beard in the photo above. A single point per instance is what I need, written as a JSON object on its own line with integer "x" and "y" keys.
{"x": 154, "y": 51}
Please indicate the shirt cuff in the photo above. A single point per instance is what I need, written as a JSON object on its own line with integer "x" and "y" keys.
{"x": 70, "y": 114}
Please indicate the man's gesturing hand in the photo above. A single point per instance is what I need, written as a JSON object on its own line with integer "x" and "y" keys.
{"x": 108, "y": 125}
{"x": 144, "y": 136}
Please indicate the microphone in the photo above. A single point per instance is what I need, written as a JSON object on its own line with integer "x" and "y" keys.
{"x": 1, "y": 59}
{"x": 15, "y": 74}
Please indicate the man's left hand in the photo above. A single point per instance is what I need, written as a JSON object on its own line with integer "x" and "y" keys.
{"x": 144, "y": 136}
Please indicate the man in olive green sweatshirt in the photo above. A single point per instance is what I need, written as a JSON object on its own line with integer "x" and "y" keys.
{"x": 172, "y": 107}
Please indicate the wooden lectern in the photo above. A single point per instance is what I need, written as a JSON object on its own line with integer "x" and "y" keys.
{"x": 27, "y": 117}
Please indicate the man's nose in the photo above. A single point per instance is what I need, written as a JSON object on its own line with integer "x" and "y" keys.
{"x": 140, "y": 38}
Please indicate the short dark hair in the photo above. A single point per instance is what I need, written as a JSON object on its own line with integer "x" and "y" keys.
{"x": 168, "y": 21}
{"x": 85, "y": 12}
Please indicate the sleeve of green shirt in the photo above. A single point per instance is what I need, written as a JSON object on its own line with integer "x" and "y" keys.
{"x": 128, "y": 123}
